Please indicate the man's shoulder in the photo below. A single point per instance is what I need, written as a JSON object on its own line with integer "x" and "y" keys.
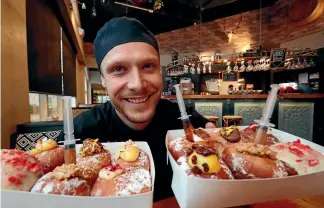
{"x": 94, "y": 116}
{"x": 96, "y": 111}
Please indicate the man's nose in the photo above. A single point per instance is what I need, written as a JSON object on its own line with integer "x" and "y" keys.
{"x": 137, "y": 80}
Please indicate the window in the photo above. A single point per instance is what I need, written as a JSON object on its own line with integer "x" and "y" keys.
{"x": 44, "y": 107}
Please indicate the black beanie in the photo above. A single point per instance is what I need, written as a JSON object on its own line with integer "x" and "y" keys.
{"x": 118, "y": 31}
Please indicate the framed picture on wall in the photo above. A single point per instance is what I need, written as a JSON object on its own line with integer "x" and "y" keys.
{"x": 278, "y": 58}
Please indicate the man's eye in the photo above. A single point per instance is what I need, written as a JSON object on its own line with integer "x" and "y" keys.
{"x": 149, "y": 66}
{"x": 118, "y": 70}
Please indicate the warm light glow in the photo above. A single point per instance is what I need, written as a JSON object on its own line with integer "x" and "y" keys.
{"x": 230, "y": 35}
{"x": 245, "y": 48}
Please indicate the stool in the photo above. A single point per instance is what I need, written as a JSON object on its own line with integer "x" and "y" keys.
{"x": 213, "y": 119}
{"x": 238, "y": 120}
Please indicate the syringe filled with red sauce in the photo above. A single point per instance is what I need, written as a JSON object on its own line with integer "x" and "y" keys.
{"x": 188, "y": 129}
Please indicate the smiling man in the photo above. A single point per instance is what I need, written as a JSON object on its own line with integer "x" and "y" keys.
{"x": 128, "y": 56}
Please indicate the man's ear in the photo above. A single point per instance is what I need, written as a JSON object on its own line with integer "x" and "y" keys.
{"x": 103, "y": 81}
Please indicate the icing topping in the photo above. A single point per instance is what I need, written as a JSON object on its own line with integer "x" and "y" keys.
{"x": 129, "y": 152}
{"x": 203, "y": 159}
{"x": 90, "y": 147}
{"x": 110, "y": 172}
{"x": 133, "y": 182}
{"x": 299, "y": 156}
{"x": 255, "y": 149}
{"x": 42, "y": 145}
{"x": 227, "y": 130}
{"x": 64, "y": 172}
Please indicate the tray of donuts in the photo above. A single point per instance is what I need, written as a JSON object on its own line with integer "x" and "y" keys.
{"x": 119, "y": 174}
{"x": 225, "y": 167}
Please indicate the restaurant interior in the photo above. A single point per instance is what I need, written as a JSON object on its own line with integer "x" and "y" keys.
{"x": 225, "y": 54}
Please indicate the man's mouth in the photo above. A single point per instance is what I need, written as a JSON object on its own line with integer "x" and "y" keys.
{"x": 138, "y": 100}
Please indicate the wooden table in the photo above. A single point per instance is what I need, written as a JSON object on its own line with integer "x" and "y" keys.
{"x": 309, "y": 202}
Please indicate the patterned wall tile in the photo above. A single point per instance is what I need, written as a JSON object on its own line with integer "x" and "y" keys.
{"x": 210, "y": 109}
{"x": 249, "y": 111}
{"x": 297, "y": 118}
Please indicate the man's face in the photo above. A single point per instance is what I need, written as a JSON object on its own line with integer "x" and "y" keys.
{"x": 131, "y": 75}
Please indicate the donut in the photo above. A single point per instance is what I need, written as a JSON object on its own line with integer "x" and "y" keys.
{"x": 50, "y": 159}
{"x": 49, "y": 154}
{"x": 19, "y": 170}
{"x": 202, "y": 161}
{"x": 92, "y": 154}
{"x": 231, "y": 134}
{"x": 248, "y": 135}
{"x": 249, "y": 160}
{"x": 301, "y": 157}
{"x": 179, "y": 147}
{"x": 130, "y": 155}
{"x": 115, "y": 181}
{"x": 66, "y": 180}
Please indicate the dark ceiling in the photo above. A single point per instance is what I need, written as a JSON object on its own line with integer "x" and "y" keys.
{"x": 173, "y": 15}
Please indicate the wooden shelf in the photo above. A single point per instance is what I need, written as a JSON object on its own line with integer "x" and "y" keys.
{"x": 251, "y": 96}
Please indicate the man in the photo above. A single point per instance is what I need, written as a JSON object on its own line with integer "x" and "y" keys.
{"x": 128, "y": 57}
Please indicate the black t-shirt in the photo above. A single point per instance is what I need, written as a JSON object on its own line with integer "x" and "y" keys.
{"x": 102, "y": 122}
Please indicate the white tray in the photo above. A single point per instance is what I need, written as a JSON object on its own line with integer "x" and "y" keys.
{"x": 21, "y": 199}
{"x": 192, "y": 192}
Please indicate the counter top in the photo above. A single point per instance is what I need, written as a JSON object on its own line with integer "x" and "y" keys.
{"x": 251, "y": 96}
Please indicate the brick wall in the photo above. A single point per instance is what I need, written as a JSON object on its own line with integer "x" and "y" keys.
{"x": 210, "y": 37}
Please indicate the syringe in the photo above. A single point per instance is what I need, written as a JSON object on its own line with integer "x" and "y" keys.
{"x": 184, "y": 117}
{"x": 264, "y": 122}
{"x": 69, "y": 140}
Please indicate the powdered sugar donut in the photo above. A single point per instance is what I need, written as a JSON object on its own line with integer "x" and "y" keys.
{"x": 301, "y": 157}
{"x": 249, "y": 160}
{"x": 92, "y": 154}
{"x": 66, "y": 180}
{"x": 19, "y": 170}
{"x": 119, "y": 182}
{"x": 179, "y": 147}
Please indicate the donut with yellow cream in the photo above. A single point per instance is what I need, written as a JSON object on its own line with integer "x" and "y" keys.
{"x": 49, "y": 154}
{"x": 130, "y": 155}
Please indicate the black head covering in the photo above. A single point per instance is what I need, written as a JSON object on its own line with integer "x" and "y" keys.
{"x": 118, "y": 31}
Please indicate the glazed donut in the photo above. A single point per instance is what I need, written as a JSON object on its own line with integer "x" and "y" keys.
{"x": 130, "y": 155}
{"x": 92, "y": 154}
{"x": 66, "y": 180}
{"x": 114, "y": 181}
{"x": 202, "y": 162}
{"x": 19, "y": 170}
{"x": 301, "y": 157}
{"x": 249, "y": 160}
{"x": 248, "y": 135}
{"x": 49, "y": 154}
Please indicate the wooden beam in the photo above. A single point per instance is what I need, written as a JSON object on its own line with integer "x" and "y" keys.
{"x": 91, "y": 62}
{"x": 14, "y": 69}
{"x": 88, "y": 49}
{"x": 69, "y": 21}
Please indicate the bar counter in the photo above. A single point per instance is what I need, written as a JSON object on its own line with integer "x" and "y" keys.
{"x": 251, "y": 96}
{"x": 300, "y": 114}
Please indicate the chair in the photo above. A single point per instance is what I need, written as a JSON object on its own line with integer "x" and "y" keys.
{"x": 238, "y": 120}
{"x": 213, "y": 119}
